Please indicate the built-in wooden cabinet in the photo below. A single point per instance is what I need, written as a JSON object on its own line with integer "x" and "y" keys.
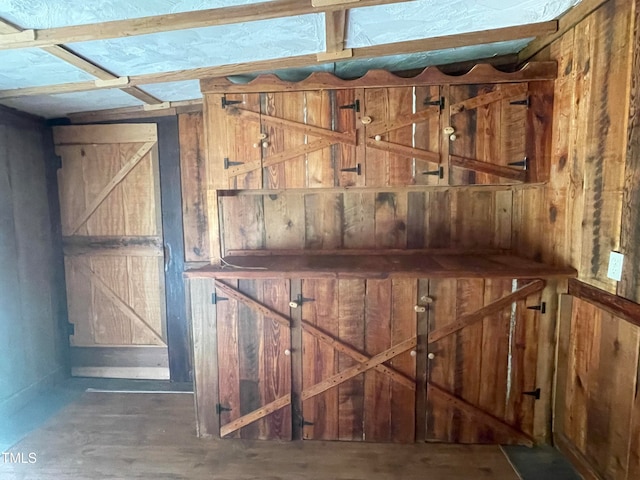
{"x": 397, "y": 348}
{"x": 397, "y": 132}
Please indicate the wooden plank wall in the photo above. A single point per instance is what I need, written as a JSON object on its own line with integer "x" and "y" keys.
{"x": 581, "y": 208}
{"x": 597, "y": 419}
{"x": 377, "y": 220}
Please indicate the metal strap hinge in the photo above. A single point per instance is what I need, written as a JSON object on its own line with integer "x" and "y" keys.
{"x": 535, "y": 393}
{"x": 226, "y": 103}
{"x": 524, "y": 163}
{"x": 355, "y": 106}
{"x": 357, "y": 169}
{"x": 542, "y": 307}
{"x": 228, "y": 163}
{"x": 438, "y": 173}
{"x": 304, "y": 423}
{"x": 526, "y": 102}
{"x": 215, "y": 298}
{"x": 437, "y": 103}
{"x": 220, "y": 409}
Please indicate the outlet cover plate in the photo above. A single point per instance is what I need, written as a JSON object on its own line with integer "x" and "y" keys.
{"x": 615, "y": 266}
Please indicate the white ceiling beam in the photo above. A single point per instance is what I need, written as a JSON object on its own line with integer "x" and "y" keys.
{"x": 176, "y": 21}
{"x": 412, "y": 46}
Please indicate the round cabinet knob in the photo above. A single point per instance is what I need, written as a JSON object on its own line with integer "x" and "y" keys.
{"x": 366, "y": 120}
{"x": 413, "y": 353}
{"x": 287, "y": 352}
{"x": 256, "y": 145}
{"x": 431, "y": 356}
{"x": 419, "y": 309}
{"x": 294, "y": 304}
{"x": 449, "y": 130}
{"x": 265, "y": 144}
{"x": 453, "y": 137}
{"x": 378, "y": 138}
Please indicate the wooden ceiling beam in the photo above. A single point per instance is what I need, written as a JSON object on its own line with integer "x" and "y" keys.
{"x": 413, "y": 46}
{"x": 335, "y": 34}
{"x": 83, "y": 64}
{"x": 177, "y": 21}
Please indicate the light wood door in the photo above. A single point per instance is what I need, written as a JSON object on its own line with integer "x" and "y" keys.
{"x": 482, "y": 360}
{"x": 490, "y": 128}
{"x": 359, "y": 360}
{"x": 112, "y": 234}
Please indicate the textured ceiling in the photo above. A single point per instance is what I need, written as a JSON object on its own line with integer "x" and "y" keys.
{"x": 247, "y": 42}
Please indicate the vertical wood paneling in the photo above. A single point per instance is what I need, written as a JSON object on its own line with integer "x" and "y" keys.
{"x": 243, "y": 137}
{"x": 351, "y": 314}
{"x": 376, "y": 105}
{"x": 377, "y": 387}
{"x": 442, "y": 425}
{"x": 228, "y": 358}
{"x": 319, "y": 107}
{"x": 358, "y": 218}
{"x": 195, "y": 218}
{"x": 320, "y": 360}
{"x": 400, "y": 167}
{"x": 323, "y": 220}
{"x": 404, "y": 295}
{"x": 390, "y": 218}
{"x": 284, "y": 221}
{"x": 275, "y": 378}
{"x": 427, "y": 133}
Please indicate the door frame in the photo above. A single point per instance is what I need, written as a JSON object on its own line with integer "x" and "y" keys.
{"x": 178, "y": 333}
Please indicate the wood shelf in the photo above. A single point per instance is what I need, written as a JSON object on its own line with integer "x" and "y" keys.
{"x": 381, "y": 266}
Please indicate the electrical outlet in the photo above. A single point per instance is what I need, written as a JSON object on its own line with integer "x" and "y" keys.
{"x": 615, "y": 266}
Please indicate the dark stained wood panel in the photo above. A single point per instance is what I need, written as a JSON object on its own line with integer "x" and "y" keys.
{"x": 193, "y": 175}
{"x": 376, "y": 266}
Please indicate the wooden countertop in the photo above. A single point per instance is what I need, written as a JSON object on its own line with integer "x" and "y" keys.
{"x": 381, "y": 266}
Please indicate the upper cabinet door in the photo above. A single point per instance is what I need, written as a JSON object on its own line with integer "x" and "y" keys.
{"x": 488, "y": 143}
{"x": 401, "y": 136}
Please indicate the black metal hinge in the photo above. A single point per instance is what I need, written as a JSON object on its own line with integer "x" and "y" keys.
{"x": 535, "y": 393}
{"x": 542, "y": 308}
{"x": 526, "y": 102}
{"x": 304, "y": 423}
{"x": 226, "y": 103}
{"x": 228, "y": 163}
{"x": 524, "y": 163}
{"x": 300, "y": 300}
{"x": 215, "y": 298}
{"x": 355, "y": 106}
{"x": 438, "y": 173}
{"x": 220, "y": 409}
{"x": 437, "y": 103}
{"x": 357, "y": 169}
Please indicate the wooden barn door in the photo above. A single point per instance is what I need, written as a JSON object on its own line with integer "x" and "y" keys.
{"x": 490, "y": 128}
{"x": 482, "y": 345}
{"x": 359, "y": 360}
{"x": 112, "y": 234}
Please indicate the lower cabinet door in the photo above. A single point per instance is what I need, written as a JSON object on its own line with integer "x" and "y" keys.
{"x": 482, "y": 360}
{"x": 254, "y": 359}
{"x": 359, "y": 360}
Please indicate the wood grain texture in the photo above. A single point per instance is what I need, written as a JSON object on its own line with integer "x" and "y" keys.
{"x": 193, "y": 175}
{"x": 101, "y": 424}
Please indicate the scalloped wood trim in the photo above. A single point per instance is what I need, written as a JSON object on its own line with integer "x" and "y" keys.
{"x": 481, "y": 73}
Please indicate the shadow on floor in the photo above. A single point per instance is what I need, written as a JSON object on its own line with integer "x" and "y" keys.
{"x": 36, "y": 413}
{"x": 540, "y": 463}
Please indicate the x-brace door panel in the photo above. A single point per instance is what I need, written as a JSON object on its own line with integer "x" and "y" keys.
{"x": 488, "y": 141}
{"x": 359, "y": 342}
{"x": 482, "y": 345}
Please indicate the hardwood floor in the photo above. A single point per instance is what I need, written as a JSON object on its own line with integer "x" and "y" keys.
{"x": 152, "y": 435}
